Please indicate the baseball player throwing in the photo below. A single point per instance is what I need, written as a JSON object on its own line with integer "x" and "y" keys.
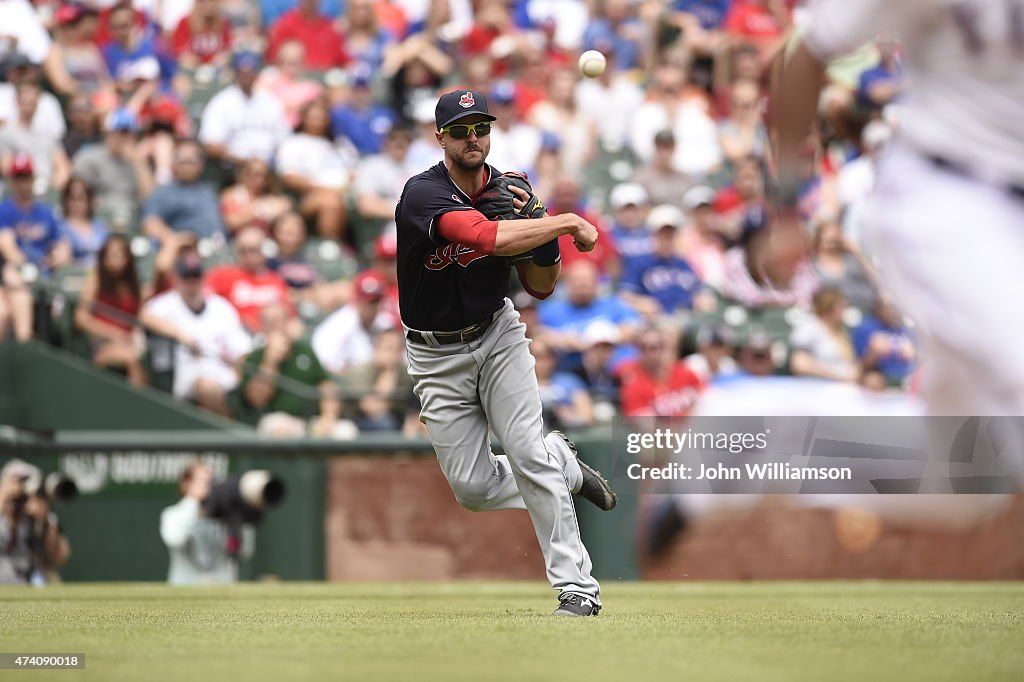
{"x": 948, "y": 215}
{"x": 462, "y": 226}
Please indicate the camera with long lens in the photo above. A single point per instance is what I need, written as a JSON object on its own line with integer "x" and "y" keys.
{"x": 53, "y": 486}
{"x": 242, "y": 498}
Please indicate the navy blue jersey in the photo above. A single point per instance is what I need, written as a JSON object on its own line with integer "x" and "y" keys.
{"x": 443, "y": 286}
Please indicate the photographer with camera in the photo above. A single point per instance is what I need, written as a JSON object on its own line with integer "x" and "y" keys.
{"x": 203, "y": 549}
{"x": 32, "y": 547}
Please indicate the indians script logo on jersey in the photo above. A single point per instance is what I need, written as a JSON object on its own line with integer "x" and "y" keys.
{"x": 467, "y": 100}
{"x": 445, "y": 255}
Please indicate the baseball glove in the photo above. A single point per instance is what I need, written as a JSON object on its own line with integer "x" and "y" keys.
{"x": 495, "y": 199}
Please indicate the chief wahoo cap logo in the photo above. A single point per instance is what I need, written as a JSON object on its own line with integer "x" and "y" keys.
{"x": 467, "y": 100}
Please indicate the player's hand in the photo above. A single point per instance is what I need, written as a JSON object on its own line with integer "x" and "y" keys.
{"x": 519, "y": 197}
{"x": 584, "y": 236}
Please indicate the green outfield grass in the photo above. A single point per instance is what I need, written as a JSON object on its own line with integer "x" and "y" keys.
{"x": 502, "y": 631}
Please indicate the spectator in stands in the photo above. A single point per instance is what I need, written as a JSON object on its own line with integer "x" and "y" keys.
{"x": 199, "y": 545}
{"x": 629, "y": 206}
{"x": 838, "y": 262}
{"x": 381, "y": 177}
{"x": 713, "y": 359}
{"x": 85, "y": 233}
{"x": 29, "y": 231}
{"x": 685, "y": 113}
{"x": 614, "y": 30}
{"x": 385, "y": 264}
{"x": 880, "y": 85}
{"x": 661, "y": 282}
{"x": 564, "y": 398}
{"x": 115, "y": 170}
{"x": 77, "y": 65}
{"x": 560, "y": 114}
{"x": 131, "y": 57}
{"x": 17, "y": 136}
{"x": 884, "y": 344}
{"x": 659, "y": 178}
{"x": 244, "y": 17}
{"x": 597, "y": 371}
{"x": 24, "y": 32}
{"x": 82, "y": 124}
{"x": 734, "y": 202}
{"x": 754, "y": 357}
{"x": 108, "y": 310}
{"x": 165, "y": 265}
{"x": 657, "y": 384}
{"x": 284, "y": 381}
{"x": 203, "y": 36}
{"x": 345, "y": 339}
{"x": 742, "y": 134}
{"x": 567, "y": 319}
{"x": 514, "y": 143}
{"x": 701, "y": 243}
{"x": 365, "y": 40}
{"x": 566, "y": 198}
{"x": 250, "y": 285}
{"x": 318, "y": 169}
{"x": 241, "y": 122}
{"x": 379, "y": 390}
{"x": 253, "y": 199}
{"x": 424, "y": 151}
{"x": 186, "y": 205}
{"x": 856, "y": 179}
{"x": 420, "y": 62}
{"x": 48, "y": 119}
{"x": 324, "y": 45}
{"x": 821, "y": 344}
{"x": 208, "y": 334}
{"x": 701, "y": 23}
{"x": 766, "y": 270}
{"x": 32, "y": 546}
{"x": 361, "y": 120}
{"x": 16, "y": 308}
{"x": 288, "y": 83}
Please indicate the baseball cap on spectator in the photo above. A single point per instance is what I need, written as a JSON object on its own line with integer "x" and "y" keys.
{"x": 121, "y": 120}
{"x": 452, "y": 106}
{"x": 601, "y": 331}
{"x": 247, "y": 60}
{"x": 369, "y": 287}
{"x": 19, "y": 60}
{"x": 698, "y": 196}
{"x": 69, "y": 14}
{"x": 386, "y": 246}
{"x": 627, "y": 194}
{"x": 21, "y": 166}
{"x": 665, "y": 215}
{"x": 549, "y": 142}
{"x": 189, "y": 265}
{"x": 503, "y": 92}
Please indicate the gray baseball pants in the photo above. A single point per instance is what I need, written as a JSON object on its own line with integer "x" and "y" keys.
{"x": 464, "y": 388}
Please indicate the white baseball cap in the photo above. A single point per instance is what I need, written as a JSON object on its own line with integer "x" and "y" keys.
{"x": 601, "y": 331}
{"x": 627, "y": 193}
{"x": 665, "y": 215}
{"x": 701, "y": 195}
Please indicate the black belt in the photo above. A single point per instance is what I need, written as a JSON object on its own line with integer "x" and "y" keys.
{"x": 464, "y": 335}
{"x": 947, "y": 164}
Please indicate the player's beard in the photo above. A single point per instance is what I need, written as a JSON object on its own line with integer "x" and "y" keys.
{"x": 465, "y": 165}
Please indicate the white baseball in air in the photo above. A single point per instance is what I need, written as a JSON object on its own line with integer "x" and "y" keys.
{"x": 592, "y": 63}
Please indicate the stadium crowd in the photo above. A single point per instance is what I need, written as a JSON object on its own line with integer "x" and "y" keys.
{"x": 200, "y": 194}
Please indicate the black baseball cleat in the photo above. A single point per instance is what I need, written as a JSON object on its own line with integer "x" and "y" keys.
{"x": 575, "y": 605}
{"x": 595, "y": 488}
